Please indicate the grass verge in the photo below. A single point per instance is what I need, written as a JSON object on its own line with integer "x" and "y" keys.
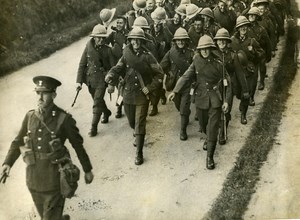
{"x": 240, "y": 183}
{"x": 42, "y": 45}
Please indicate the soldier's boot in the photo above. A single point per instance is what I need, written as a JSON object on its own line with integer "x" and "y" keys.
{"x": 261, "y": 85}
{"x": 106, "y": 115}
{"x": 94, "y": 128}
{"x": 184, "y": 123}
{"x": 153, "y": 111}
{"x": 263, "y": 73}
{"x": 163, "y": 97}
{"x": 251, "y": 101}
{"x": 66, "y": 217}
{"x": 119, "y": 111}
{"x": 210, "y": 163}
{"x": 140, "y": 138}
{"x": 243, "y": 118}
{"x": 205, "y": 145}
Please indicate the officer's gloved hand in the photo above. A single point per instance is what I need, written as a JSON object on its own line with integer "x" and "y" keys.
{"x": 88, "y": 177}
{"x": 78, "y": 86}
{"x": 171, "y": 96}
{"x": 225, "y": 107}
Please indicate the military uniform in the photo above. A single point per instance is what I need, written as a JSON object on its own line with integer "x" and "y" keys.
{"x": 225, "y": 19}
{"x": 253, "y": 58}
{"x": 117, "y": 39}
{"x": 194, "y": 36}
{"x": 131, "y": 67}
{"x": 94, "y": 64}
{"x": 176, "y": 62}
{"x": 208, "y": 76}
{"x": 42, "y": 175}
{"x": 262, "y": 37}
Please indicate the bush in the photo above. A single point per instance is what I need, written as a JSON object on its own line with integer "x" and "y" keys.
{"x": 33, "y": 29}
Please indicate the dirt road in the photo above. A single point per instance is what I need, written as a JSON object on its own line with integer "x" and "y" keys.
{"x": 173, "y": 183}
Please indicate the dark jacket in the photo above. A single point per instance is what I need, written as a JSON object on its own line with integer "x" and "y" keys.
{"x": 128, "y": 66}
{"x": 208, "y": 76}
{"x": 94, "y": 64}
{"x": 44, "y": 175}
{"x": 226, "y": 19}
{"x": 177, "y": 61}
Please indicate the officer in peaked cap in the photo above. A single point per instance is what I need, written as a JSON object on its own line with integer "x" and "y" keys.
{"x": 41, "y": 128}
{"x": 45, "y": 83}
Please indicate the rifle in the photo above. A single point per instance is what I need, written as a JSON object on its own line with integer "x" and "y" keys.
{"x": 77, "y": 93}
{"x": 225, "y": 84}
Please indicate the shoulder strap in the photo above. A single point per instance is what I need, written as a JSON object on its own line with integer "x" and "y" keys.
{"x": 29, "y": 114}
{"x": 60, "y": 120}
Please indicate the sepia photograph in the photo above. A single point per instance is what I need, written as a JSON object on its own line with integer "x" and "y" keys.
{"x": 149, "y": 109}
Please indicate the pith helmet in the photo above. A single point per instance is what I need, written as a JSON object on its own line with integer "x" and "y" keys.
{"x": 222, "y": 34}
{"x": 180, "y": 33}
{"x": 253, "y": 11}
{"x": 99, "y": 31}
{"x": 208, "y": 12}
{"x": 136, "y": 33}
{"x": 185, "y": 2}
{"x": 45, "y": 83}
{"x": 106, "y": 15}
{"x": 265, "y": 2}
{"x": 192, "y": 10}
{"x": 159, "y": 14}
{"x": 141, "y": 22}
{"x": 241, "y": 20}
{"x": 139, "y": 4}
{"x": 181, "y": 9}
{"x": 205, "y": 42}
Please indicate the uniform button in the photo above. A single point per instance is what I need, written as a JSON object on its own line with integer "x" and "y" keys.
{"x": 135, "y": 77}
{"x": 39, "y": 147}
{"x": 39, "y": 138}
{"x": 40, "y": 130}
{"x": 206, "y": 83}
{"x": 207, "y": 89}
{"x": 135, "y": 84}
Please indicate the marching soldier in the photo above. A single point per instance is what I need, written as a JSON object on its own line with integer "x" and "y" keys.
{"x": 225, "y": 17}
{"x": 207, "y": 73}
{"x": 142, "y": 75}
{"x": 210, "y": 27}
{"x": 117, "y": 38}
{"x": 196, "y": 31}
{"x": 262, "y": 37}
{"x": 174, "y": 64}
{"x": 174, "y": 23}
{"x": 170, "y": 6}
{"x": 235, "y": 63}
{"x": 241, "y": 40}
{"x": 42, "y": 135}
{"x": 163, "y": 38}
{"x": 267, "y": 23}
{"x": 96, "y": 60}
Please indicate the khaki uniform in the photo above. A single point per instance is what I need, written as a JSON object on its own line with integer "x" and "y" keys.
{"x": 42, "y": 176}
{"x": 94, "y": 64}
{"x": 208, "y": 75}
{"x": 253, "y": 58}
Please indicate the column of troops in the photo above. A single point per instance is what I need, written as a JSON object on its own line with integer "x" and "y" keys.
{"x": 203, "y": 52}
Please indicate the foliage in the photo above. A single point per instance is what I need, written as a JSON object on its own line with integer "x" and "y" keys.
{"x": 33, "y": 29}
